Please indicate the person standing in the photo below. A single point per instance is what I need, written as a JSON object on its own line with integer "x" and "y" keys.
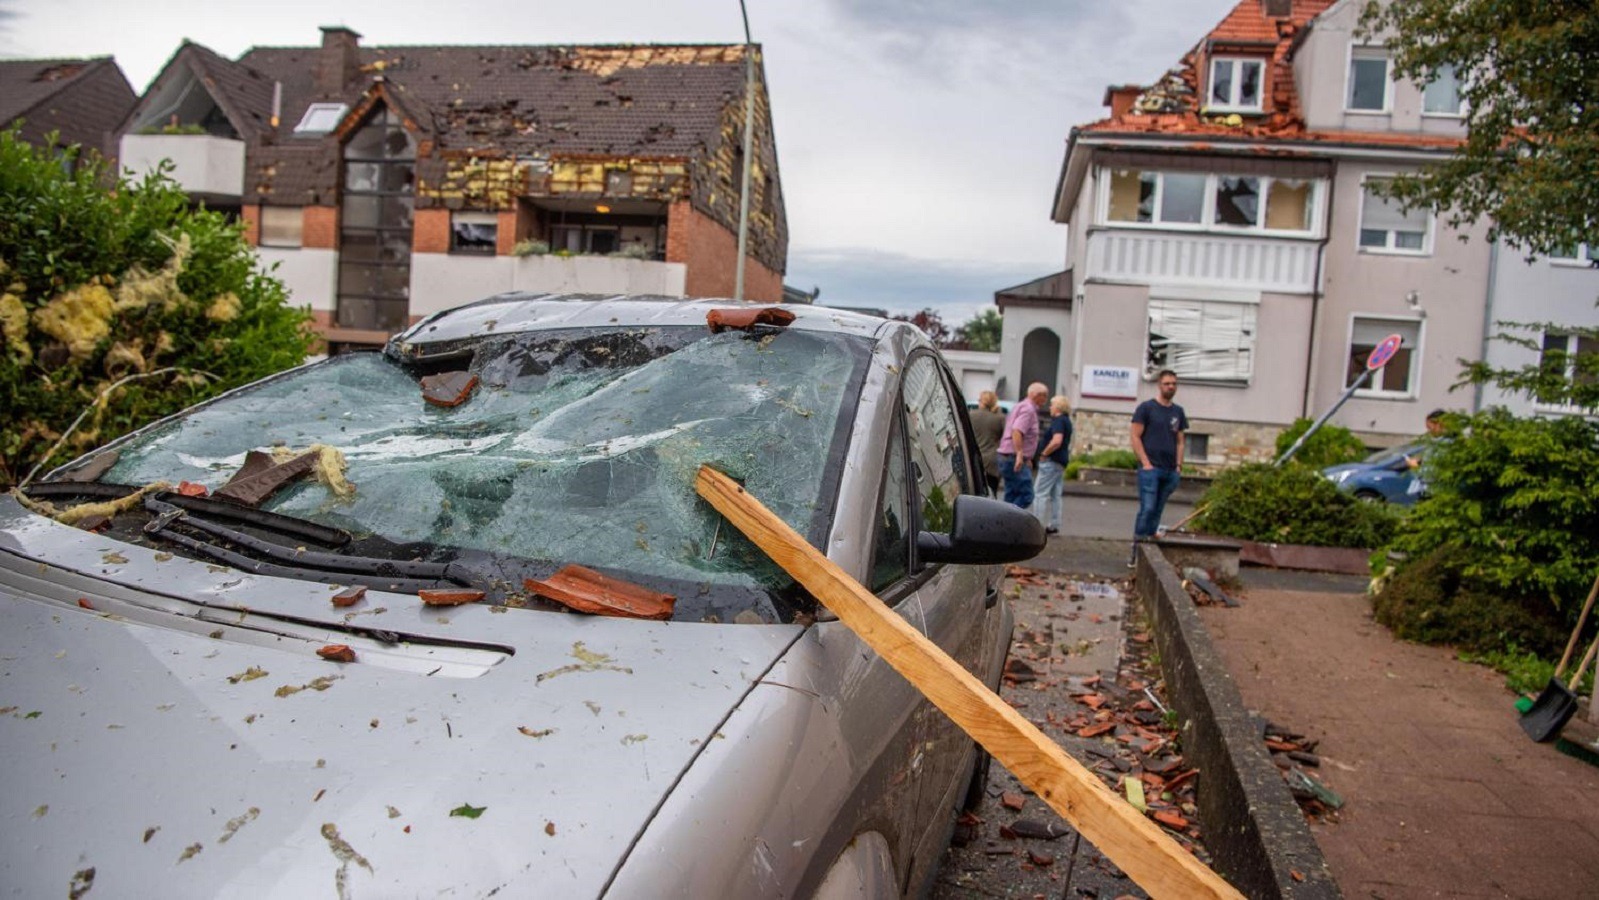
{"x": 988, "y": 423}
{"x": 1052, "y": 465}
{"x": 1017, "y": 444}
{"x": 1157, "y": 432}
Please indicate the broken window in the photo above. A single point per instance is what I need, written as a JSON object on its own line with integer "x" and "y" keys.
{"x": 1368, "y": 79}
{"x": 1194, "y": 199}
{"x": 1132, "y": 196}
{"x": 281, "y": 226}
{"x": 578, "y": 446}
{"x": 474, "y": 232}
{"x": 891, "y": 549}
{"x": 1398, "y": 377}
{"x": 1385, "y": 227}
{"x": 1235, "y": 84}
{"x": 1205, "y": 339}
{"x": 1288, "y": 205}
{"x": 1237, "y": 201}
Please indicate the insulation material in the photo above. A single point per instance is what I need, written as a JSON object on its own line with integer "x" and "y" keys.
{"x": 1202, "y": 339}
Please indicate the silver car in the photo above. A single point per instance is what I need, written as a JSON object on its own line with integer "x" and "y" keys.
{"x": 223, "y": 679}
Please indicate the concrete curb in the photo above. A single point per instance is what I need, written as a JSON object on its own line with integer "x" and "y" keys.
{"x": 1254, "y": 830}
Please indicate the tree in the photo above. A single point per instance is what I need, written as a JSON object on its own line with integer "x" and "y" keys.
{"x": 931, "y": 324}
{"x": 1559, "y": 378}
{"x": 1530, "y": 82}
{"x": 120, "y": 305}
{"x": 982, "y": 331}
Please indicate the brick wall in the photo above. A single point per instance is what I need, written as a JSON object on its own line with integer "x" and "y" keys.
{"x": 319, "y": 227}
{"x": 250, "y": 215}
{"x": 710, "y": 253}
{"x": 1230, "y": 443}
{"x": 506, "y": 232}
{"x": 430, "y": 231}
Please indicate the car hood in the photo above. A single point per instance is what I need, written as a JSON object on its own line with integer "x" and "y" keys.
{"x": 148, "y": 739}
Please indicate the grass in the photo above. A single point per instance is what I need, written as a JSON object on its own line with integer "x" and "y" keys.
{"x": 1525, "y": 672}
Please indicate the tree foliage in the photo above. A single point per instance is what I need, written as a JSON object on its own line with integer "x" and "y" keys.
{"x": 1558, "y": 378}
{"x": 1291, "y": 505}
{"x": 1329, "y": 446}
{"x": 1530, "y": 71}
{"x": 99, "y": 284}
{"x": 982, "y": 331}
{"x": 931, "y": 324}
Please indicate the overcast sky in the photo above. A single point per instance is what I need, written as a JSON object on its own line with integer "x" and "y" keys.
{"x": 919, "y": 141}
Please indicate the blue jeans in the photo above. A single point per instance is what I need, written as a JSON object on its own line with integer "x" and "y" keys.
{"x": 1046, "y": 493}
{"x": 1018, "y": 480}
{"x": 1154, "y": 489}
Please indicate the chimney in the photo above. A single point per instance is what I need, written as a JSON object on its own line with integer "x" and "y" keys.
{"x": 339, "y": 62}
{"x": 1120, "y": 98}
{"x": 1279, "y": 9}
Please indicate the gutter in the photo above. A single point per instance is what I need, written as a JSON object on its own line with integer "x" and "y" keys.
{"x": 1316, "y": 294}
{"x": 1494, "y": 249}
{"x": 1276, "y": 147}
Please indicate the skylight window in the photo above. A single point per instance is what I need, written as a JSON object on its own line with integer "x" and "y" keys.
{"x": 321, "y": 118}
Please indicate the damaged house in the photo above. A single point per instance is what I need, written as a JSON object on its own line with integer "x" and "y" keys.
{"x": 1223, "y": 225}
{"x": 81, "y": 101}
{"x": 388, "y": 183}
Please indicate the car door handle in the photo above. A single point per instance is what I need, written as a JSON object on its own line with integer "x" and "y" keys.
{"x": 991, "y": 598}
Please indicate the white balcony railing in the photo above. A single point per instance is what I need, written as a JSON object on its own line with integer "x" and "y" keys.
{"x": 206, "y": 166}
{"x": 1266, "y": 264}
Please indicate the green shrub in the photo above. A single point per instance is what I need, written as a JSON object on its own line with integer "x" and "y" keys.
{"x": 1291, "y": 505}
{"x": 1101, "y": 459}
{"x": 100, "y": 280}
{"x": 1431, "y": 601}
{"x": 1329, "y": 446}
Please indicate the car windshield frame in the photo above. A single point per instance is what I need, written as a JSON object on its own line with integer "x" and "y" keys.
{"x": 598, "y": 430}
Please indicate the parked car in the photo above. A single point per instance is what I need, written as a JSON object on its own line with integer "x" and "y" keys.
{"x": 1385, "y": 476}
{"x": 170, "y": 722}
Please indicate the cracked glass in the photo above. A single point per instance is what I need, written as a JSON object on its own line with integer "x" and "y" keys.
{"x": 577, "y": 446}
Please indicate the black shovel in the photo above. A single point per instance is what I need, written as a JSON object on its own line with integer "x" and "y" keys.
{"x": 1555, "y": 706}
{"x": 1553, "y": 691}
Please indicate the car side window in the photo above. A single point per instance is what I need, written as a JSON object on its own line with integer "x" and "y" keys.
{"x": 940, "y": 465}
{"x": 891, "y": 549}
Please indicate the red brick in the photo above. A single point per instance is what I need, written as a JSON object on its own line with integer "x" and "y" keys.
{"x": 430, "y": 231}
{"x": 319, "y": 227}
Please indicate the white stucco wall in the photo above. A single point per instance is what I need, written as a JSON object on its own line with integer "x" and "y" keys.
{"x": 974, "y": 370}
{"x": 442, "y": 281}
{"x": 1559, "y": 292}
{"x": 309, "y": 275}
{"x": 1019, "y": 322}
{"x": 202, "y": 164}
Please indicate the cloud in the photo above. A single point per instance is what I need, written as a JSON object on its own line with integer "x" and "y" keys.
{"x": 897, "y": 282}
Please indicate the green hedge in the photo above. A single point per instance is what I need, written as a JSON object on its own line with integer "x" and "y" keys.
{"x": 1291, "y": 505}
{"x": 102, "y": 279}
{"x": 1329, "y": 446}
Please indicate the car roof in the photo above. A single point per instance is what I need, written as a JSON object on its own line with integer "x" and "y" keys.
{"x": 515, "y": 312}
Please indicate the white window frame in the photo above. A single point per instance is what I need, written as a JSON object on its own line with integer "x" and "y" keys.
{"x": 319, "y": 113}
{"x": 1207, "y": 217}
{"x": 1585, "y": 256}
{"x": 1389, "y": 248}
{"x": 1460, "y": 99}
{"x": 1237, "y": 64}
{"x": 1571, "y": 350}
{"x": 1205, "y": 297}
{"x": 1413, "y": 390}
{"x": 474, "y": 217}
{"x": 298, "y": 213}
{"x": 1356, "y": 51}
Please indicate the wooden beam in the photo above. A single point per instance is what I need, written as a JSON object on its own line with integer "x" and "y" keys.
{"x": 1145, "y": 852}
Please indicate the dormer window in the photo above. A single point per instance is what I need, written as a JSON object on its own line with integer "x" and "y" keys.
{"x": 1235, "y": 84}
{"x": 321, "y": 118}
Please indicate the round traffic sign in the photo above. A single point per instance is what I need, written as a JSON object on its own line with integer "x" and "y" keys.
{"x": 1384, "y": 352}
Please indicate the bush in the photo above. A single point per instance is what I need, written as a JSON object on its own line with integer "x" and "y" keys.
{"x": 1331, "y": 445}
{"x": 97, "y": 284}
{"x": 1431, "y": 601}
{"x": 1101, "y": 459}
{"x": 1291, "y": 505}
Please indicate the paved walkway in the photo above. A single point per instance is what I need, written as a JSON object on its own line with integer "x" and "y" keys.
{"x": 1445, "y": 795}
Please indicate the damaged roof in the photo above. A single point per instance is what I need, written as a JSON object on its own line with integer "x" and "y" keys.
{"x": 82, "y": 98}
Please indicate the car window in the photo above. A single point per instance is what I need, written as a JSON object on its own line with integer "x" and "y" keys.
{"x": 577, "y": 446}
{"x": 933, "y": 433}
{"x": 891, "y": 549}
{"x": 1395, "y": 454}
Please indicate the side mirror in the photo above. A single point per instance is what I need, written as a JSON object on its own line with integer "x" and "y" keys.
{"x": 984, "y": 531}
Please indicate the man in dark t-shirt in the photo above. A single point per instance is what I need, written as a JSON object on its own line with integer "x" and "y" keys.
{"x": 1157, "y": 432}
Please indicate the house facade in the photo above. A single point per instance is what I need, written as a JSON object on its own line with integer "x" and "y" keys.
{"x": 1224, "y": 225}
{"x": 385, "y": 184}
{"x": 82, "y": 101}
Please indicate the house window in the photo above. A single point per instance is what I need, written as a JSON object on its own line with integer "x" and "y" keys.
{"x": 1441, "y": 96}
{"x": 1203, "y": 339}
{"x": 474, "y": 232}
{"x": 1235, "y": 84}
{"x": 281, "y": 226}
{"x": 1196, "y": 447}
{"x": 320, "y": 118}
{"x": 1559, "y": 356}
{"x": 1576, "y": 255}
{"x": 1217, "y": 201}
{"x": 1368, "y": 79}
{"x": 1384, "y": 228}
{"x": 601, "y": 239}
{"x": 1398, "y": 377}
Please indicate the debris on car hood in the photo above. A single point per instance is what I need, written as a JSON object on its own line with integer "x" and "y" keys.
{"x": 586, "y": 591}
{"x": 107, "y": 509}
{"x": 264, "y": 474}
{"x": 720, "y": 320}
{"x": 448, "y": 389}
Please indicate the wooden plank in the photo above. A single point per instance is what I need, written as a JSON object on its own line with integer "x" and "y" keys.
{"x": 1145, "y": 852}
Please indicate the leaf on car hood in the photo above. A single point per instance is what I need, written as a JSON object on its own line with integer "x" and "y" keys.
{"x": 468, "y": 811}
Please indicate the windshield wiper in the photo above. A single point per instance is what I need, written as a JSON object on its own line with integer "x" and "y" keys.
{"x": 333, "y": 568}
{"x": 260, "y": 518}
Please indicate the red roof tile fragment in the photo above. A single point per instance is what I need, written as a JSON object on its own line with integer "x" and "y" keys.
{"x": 587, "y": 591}
{"x": 448, "y": 388}
{"x": 349, "y": 596}
{"x": 337, "y": 653}
{"x": 449, "y": 596}
{"x": 747, "y": 317}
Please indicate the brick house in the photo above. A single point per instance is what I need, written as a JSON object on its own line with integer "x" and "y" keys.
{"x": 83, "y": 100}
{"x": 387, "y": 183}
{"x": 1223, "y": 225}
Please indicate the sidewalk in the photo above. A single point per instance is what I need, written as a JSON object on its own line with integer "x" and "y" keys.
{"x": 1445, "y": 796}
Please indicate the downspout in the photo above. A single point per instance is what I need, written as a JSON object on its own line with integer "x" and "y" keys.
{"x": 1487, "y": 319}
{"x": 1316, "y": 294}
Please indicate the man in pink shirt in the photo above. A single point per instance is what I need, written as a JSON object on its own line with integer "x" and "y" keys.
{"x": 1018, "y": 444}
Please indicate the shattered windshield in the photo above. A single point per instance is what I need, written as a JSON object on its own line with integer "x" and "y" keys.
{"x": 574, "y": 446}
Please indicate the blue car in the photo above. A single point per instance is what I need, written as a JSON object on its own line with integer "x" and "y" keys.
{"x": 1385, "y": 476}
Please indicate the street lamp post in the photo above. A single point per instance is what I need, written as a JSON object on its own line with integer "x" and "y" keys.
{"x": 749, "y": 155}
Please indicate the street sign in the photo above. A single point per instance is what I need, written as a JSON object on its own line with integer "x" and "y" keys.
{"x": 1384, "y": 352}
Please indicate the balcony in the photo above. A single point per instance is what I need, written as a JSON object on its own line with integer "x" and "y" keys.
{"x": 1149, "y": 257}
{"x": 209, "y": 168}
{"x": 445, "y": 280}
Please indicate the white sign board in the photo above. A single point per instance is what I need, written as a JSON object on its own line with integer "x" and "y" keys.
{"x": 1113, "y": 382}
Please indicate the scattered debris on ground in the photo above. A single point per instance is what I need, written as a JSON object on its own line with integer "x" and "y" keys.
{"x": 1293, "y": 754}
